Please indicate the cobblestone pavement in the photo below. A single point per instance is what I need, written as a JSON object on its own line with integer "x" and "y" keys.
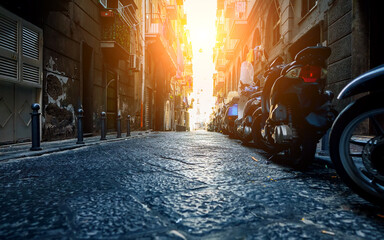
{"x": 184, "y": 185}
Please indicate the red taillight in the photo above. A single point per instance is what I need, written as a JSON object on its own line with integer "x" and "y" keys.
{"x": 310, "y": 73}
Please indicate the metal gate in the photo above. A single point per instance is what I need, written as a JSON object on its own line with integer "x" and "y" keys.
{"x": 15, "y": 109}
{"x": 21, "y": 55}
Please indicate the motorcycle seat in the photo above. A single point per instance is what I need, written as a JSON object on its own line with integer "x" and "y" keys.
{"x": 314, "y": 54}
{"x": 276, "y": 62}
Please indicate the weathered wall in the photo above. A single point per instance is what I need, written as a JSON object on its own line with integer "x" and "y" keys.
{"x": 64, "y": 33}
{"x": 127, "y": 104}
{"x": 340, "y": 41}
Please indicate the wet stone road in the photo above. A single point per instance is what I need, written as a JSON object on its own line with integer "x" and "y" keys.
{"x": 193, "y": 185}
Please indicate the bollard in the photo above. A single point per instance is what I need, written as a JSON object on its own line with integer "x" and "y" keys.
{"x": 35, "y": 118}
{"x": 103, "y": 126}
{"x": 118, "y": 125}
{"x": 80, "y": 115}
{"x": 128, "y": 125}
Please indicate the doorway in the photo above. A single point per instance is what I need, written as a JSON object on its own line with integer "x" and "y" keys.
{"x": 111, "y": 100}
{"x": 87, "y": 87}
{"x": 15, "y": 109}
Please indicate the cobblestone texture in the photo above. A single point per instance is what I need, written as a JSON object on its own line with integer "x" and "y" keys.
{"x": 193, "y": 185}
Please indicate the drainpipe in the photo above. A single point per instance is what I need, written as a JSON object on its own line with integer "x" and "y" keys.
{"x": 143, "y": 73}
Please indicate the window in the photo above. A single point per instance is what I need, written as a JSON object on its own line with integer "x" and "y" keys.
{"x": 20, "y": 50}
{"x": 306, "y": 6}
{"x": 276, "y": 26}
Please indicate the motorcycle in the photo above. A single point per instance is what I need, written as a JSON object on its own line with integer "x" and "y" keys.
{"x": 357, "y": 137}
{"x": 230, "y": 117}
{"x": 295, "y": 109}
{"x": 249, "y": 101}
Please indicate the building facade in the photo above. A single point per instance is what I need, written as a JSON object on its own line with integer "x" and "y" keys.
{"x": 169, "y": 67}
{"x": 88, "y": 54}
{"x": 265, "y": 30}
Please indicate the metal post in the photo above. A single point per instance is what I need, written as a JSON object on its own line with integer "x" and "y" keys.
{"x": 103, "y": 124}
{"x": 119, "y": 125}
{"x": 80, "y": 139}
{"x": 128, "y": 125}
{"x": 35, "y": 118}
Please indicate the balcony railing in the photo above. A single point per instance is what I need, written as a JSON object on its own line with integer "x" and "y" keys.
{"x": 128, "y": 13}
{"x": 157, "y": 25}
{"x": 239, "y": 23}
{"x": 161, "y": 30}
{"x": 220, "y": 61}
{"x": 115, "y": 30}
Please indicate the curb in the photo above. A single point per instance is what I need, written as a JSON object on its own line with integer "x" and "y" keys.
{"x": 24, "y": 151}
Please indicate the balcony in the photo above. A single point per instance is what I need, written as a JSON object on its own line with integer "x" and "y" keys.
{"x": 220, "y": 4}
{"x": 183, "y": 19}
{"x": 218, "y": 83}
{"x": 239, "y": 24}
{"x": 159, "y": 36}
{"x": 220, "y": 33}
{"x": 188, "y": 68}
{"x": 229, "y": 10}
{"x": 239, "y": 28}
{"x": 220, "y": 61}
{"x": 229, "y": 54}
{"x": 172, "y": 11}
{"x": 127, "y": 10}
{"x": 115, "y": 37}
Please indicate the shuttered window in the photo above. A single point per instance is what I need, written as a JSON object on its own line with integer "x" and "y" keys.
{"x": 20, "y": 50}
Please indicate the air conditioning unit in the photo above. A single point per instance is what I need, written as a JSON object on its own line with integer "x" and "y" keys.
{"x": 133, "y": 62}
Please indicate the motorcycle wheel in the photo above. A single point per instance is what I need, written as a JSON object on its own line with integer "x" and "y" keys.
{"x": 258, "y": 139}
{"x": 358, "y": 158}
{"x": 256, "y": 131}
{"x": 246, "y": 138}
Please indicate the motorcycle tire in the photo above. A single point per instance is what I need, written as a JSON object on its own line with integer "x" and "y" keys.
{"x": 258, "y": 139}
{"x": 245, "y": 140}
{"x": 359, "y": 174}
{"x": 301, "y": 155}
{"x": 256, "y": 132}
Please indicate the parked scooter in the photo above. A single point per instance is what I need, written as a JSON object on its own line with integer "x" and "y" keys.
{"x": 357, "y": 137}
{"x": 296, "y": 111}
{"x": 230, "y": 117}
{"x": 249, "y": 101}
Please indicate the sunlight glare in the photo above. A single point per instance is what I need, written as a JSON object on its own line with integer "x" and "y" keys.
{"x": 201, "y": 24}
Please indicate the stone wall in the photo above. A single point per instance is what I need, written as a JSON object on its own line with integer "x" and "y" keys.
{"x": 340, "y": 41}
{"x": 64, "y": 34}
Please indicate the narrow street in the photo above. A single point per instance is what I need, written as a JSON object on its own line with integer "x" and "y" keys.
{"x": 172, "y": 185}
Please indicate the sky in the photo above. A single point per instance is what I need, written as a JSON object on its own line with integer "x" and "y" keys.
{"x": 201, "y": 16}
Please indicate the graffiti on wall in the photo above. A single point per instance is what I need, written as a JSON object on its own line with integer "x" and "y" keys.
{"x": 59, "y": 114}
